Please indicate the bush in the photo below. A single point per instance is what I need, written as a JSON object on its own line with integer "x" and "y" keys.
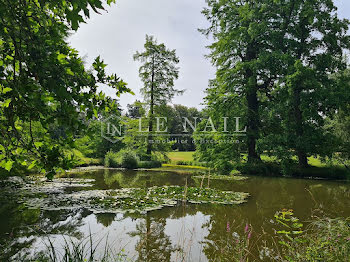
{"x": 259, "y": 169}
{"x": 124, "y": 158}
{"x": 183, "y": 163}
{"x": 80, "y": 160}
{"x": 235, "y": 172}
{"x": 223, "y": 167}
{"x": 128, "y": 159}
{"x": 112, "y": 160}
{"x": 292, "y": 170}
{"x": 149, "y": 164}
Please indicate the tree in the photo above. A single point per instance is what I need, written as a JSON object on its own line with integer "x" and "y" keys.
{"x": 158, "y": 72}
{"x": 135, "y": 110}
{"x": 175, "y": 116}
{"x": 220, "y": 149}
{"x": 337, "y": 124}
{"x": 91, "y": 143}
{"x": 44, "y": 83}
{"x": 245, "y": 35}
{"x": 134, "y": 137}
{"x": 277, "y": 59}
{"x": 308, "y": 92}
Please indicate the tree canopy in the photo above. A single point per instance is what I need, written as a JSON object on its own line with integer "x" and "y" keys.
{"x": 44, "y": 83}
{"x": 276, "y": 65}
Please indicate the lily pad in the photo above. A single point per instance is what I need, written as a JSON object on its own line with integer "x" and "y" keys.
{"x": 157, "y": 197}
{"x": 53, "y": 196}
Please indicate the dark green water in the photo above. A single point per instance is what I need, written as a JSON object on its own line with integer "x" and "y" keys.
{"x": 181, "y": 233}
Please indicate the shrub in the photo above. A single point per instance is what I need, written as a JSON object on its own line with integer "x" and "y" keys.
{"x": 128, "y": 159}
{"x": 235, "y": 172}
{"x": 161, "y": 157}
{"x": 149, "y": 164}
{"x": 125, "y": 158}
{"x": 112, "y": 160}
{"x": 291, "y": 169}
{"x": 183, "y": 163}
{"x": 80, "y": 160}
{"x": 223, "y": 167}
{"x": 259, "y": 168}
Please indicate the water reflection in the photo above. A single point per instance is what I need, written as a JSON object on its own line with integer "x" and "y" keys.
{"x": 181, "y": 233}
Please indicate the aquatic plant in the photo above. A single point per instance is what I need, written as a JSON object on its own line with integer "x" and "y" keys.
{"x": 142, "y": 199}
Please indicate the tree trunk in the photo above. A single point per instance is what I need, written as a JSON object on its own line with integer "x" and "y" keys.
{"x": 150, "y": 123}
{"x": 253, "y": 107}
{"x": 253, "y": 126}
{"x": 302, "y": 159}
{"x": 149, "y": 138}
{"x": 298, "y": 115}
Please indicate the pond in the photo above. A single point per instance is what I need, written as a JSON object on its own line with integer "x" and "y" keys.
{"x": 183, "y": 232}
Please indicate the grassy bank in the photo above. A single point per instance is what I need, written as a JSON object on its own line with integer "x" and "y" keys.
{"x": 271, "y": 167}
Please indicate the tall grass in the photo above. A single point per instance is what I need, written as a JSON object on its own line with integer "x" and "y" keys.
{"x": 86, "y": 250}
{"x": 324, "y": 240}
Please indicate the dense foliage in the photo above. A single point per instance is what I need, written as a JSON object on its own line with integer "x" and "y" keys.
{"x": 47, "y": 94}
{"x": 281, "y": 66}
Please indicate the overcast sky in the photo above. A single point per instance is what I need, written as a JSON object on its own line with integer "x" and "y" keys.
{"x": 119, "y": 32}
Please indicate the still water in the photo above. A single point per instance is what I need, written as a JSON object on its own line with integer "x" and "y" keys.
{"x": 182, "y": 233}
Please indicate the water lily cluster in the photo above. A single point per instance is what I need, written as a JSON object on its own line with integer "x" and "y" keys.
{"x": 147, "y": 199}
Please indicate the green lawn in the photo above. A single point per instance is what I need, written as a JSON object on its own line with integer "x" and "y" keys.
{"x": 188, "y": 156}
{"x": 180, "y": 156}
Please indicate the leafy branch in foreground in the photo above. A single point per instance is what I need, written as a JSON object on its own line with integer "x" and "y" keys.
{"x": 47, "y": 95}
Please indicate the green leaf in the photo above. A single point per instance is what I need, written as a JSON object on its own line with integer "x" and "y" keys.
{"x": 38, "y": 144}
{"x": 69, "y": 72}
{"x": 8, "y": 165}
{"x": 32, "y": 164}
{"x": 6, "y": 103}
{"x": 61, "y": 57}
{"x": 6, "y": 90}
